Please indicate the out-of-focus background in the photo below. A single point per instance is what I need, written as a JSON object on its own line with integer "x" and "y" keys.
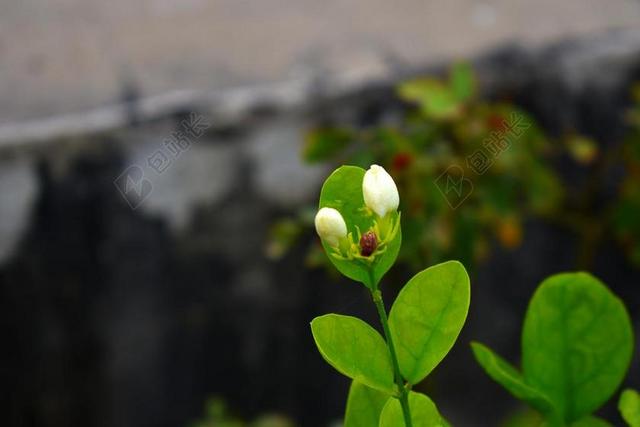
{"x": 160, "y": 161}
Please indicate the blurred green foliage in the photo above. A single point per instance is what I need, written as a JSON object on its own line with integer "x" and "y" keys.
{"x": 626, "y": 212}
{"x": 217, "y": 415}
{"x": 472, "y": 171}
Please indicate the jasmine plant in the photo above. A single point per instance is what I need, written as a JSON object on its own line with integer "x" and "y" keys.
{"x": 577, "y": 343}
{"x": 360, "y": 229}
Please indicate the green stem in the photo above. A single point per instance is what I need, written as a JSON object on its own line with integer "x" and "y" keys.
{"x": 404, "y": 392}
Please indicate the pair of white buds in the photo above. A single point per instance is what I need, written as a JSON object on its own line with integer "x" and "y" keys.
{"x": 380, "y": 195}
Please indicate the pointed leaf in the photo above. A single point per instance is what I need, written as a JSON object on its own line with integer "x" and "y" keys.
{"x": 364, "y": 406}
{"x": 576, "y": 343}
{"x": 427, "y": 317}
{"x": 355, "y": 349}
{"x": 629, "y": 406}
{"x": 508, "y": 377}
{"x": 423, "y": 412}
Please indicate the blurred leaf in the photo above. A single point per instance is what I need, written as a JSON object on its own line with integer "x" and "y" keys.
{"x": 316, "y": 258}
{"x": 434, "y": 98}
{"x": 591, "y": 421}
{"x": 427, "y": 317}
{"x": 272, "y": 420}
{"x": 462, "y": 81}
{"x": 355, "y": 349}
{"x": 322, "y": 144}
{"x": 423, "y": 412}
{"x": 364, "y": 406}
{"x": 508, "y": 377}
{"x": 545, "y": 190}
{"x": 281, "y": 237}
{"x": 216, "y": 415}
{"x": 343, "y": 191}
{"x": 629, "y": 406}
{"x": 576, "y": 343}
{"x": 583, "y": 150}
{"x": 525, "y": 417}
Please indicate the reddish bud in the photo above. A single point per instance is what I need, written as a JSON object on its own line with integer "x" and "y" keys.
{"x": 368, "y": 243}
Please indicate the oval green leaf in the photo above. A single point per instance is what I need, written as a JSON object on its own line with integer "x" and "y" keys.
{"x": 343, "y": 191}
{"x": 355, "y": 349}
{"x": 629, "y": 406}
{"x": 364, "y": 406}
{"x": 427, "y": 317}
{"x": 507, "y": 376}
{"x": 576, "y": 343}
{"x": 423, "y": 412}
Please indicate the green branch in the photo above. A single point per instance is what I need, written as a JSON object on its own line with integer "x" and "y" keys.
{"x": 404, "y": 394}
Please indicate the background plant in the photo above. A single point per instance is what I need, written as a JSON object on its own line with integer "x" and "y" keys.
{"x": 216, "y": 414}
{"x": 629, "y": 405}
{"x": 626, "y": 209}
{"x": 443, "y": 122}
{"x": 423, "y": 324}
{"x": 577, "y": 343}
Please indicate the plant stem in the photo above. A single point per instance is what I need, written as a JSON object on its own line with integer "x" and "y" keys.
{"x": 404, "y": 394}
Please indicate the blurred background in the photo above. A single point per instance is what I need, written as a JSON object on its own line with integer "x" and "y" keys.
{"x": 161, "y": 160}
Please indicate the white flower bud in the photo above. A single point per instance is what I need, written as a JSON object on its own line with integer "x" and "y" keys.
{"x": 379, "y": 191}
{"x": 330, "y": 225}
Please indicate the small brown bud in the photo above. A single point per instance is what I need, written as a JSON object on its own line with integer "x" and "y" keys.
{"x": 368, "y": 243}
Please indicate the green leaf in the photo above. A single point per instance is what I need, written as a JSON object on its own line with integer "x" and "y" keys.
{"x": 462, "y": 81}
{"x": 508, "y": 377}
{"x": 364, "y": 406}
{"x": 423, "y": 412}
{"x": 629, "y": 406}
{"x": 576, "y": 343}
{"x": 355, "y": 349}
{"x": 343, "y": 191}
{"x": 427, "y": 317}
